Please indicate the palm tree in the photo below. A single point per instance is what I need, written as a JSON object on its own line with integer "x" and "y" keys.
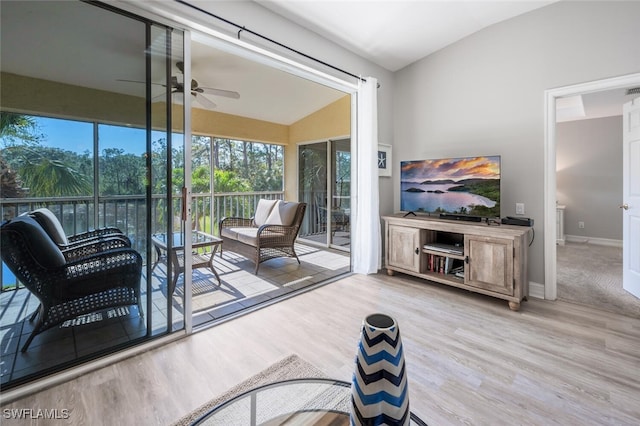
{"x": 13, "y": 127}
{"x": 41, "y": 172}
{"x": 18, "y": 128}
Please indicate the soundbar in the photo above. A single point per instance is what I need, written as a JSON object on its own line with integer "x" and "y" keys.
{"x": 464, "y": 217}
{"x": 520, "y": 221}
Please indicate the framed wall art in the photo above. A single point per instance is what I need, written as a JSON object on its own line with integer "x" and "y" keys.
{"x": 384, "y": 160}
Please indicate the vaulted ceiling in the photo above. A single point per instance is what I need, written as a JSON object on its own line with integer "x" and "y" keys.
{"x": 396, "y": 33}
{"x": 392, "y": 34}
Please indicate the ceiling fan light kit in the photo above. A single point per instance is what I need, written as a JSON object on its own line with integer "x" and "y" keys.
{"x": 178, "y": 87}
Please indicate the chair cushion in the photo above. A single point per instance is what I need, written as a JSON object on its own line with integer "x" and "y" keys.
{"x": 43, "y": 249}
{"x": 263, "y": 209}
{"x": 247, "y": 236}
{"x": 283, "y": 213}
{"x": 51, "y": 225}
{"x": 231, "y": 233}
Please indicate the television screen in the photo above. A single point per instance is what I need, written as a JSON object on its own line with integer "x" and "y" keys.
{"x": 464, "y": 186}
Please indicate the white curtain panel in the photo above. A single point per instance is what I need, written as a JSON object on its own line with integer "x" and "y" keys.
{"x": 367, "y": 241}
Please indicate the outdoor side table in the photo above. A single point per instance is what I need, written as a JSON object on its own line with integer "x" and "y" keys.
{"x": 199, "y": 240}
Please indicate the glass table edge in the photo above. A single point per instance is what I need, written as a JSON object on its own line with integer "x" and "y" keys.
{"x": 417, "y": 420}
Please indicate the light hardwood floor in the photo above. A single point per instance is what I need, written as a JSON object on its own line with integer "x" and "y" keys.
{"x": 470, "y": 360}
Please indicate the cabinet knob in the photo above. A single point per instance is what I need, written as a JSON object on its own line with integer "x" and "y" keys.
{"x": 417, "y": 250}
{"x": 466, "y": 259}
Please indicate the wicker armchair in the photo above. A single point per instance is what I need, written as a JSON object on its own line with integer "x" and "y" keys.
{"x": 68, "y": 286}
{"x": 269, "y": 234}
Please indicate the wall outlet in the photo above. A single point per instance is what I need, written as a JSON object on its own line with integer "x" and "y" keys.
{"x": 581, "y": 225}
{"x": 519, "y": 208}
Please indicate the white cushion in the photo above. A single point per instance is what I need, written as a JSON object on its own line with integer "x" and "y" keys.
{"x": 248, "y": 236}
{"x": 283, "y": 213}
{"x": 263, "y": 209}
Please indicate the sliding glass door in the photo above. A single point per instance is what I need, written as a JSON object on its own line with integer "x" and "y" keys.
{"x": 169, "y": 164}
{"x": 324, "y": 182}
{"x": 91, "y": 130}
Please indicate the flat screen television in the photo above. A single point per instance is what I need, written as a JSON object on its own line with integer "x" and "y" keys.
{"x": 451, "y": 186}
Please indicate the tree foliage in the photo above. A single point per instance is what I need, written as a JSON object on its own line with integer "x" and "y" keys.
{"x": 260, "y": 165}
{"x": 18, "y": 129}
{"x": 31, "y": 169}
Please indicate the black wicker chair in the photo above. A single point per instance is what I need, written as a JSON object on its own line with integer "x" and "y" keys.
{"x": 68, "y": 286}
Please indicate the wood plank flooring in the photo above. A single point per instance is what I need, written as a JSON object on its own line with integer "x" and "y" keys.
{"x": 470, "y": 360}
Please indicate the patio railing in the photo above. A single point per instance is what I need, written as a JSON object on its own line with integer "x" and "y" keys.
{"x": 129, "y": 213}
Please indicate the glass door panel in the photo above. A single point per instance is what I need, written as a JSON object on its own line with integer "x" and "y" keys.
{"x": 167, "y": 165}
{"x": 312, "y": 183}
{"x": 97, "y": 139}
{"x": 324, "y": 174}
{"x": 341, "y": 194}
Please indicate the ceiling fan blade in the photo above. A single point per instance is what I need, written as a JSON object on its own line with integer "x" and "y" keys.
{"x": 219, "y": 92}
{"x": 163, "y": 96}
{"x": 205, "y": 102}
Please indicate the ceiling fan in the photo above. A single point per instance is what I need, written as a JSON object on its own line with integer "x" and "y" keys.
{"x": 177, "y": 86}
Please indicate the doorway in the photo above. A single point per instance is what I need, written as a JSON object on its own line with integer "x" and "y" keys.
{"x": 551, "y": 196}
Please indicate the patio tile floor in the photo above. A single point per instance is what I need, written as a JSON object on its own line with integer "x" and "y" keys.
{"x": 85, "y": 336}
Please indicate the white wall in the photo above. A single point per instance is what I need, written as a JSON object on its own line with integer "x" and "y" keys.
{"x": 485, "y": 93}
{"x": 589, "y": 176}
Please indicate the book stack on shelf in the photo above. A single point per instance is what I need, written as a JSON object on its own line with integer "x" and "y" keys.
{"x": 439, "y": 264}
{"x": 444, "y": 264}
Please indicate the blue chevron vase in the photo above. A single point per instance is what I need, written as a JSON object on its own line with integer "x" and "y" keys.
{"x": 379, "y": 389}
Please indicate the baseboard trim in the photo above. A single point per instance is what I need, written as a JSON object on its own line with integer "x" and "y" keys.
{"x": 536, "y": 290}
{"x": 593, "y": 240}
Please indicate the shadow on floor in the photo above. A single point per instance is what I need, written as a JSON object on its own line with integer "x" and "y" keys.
{"x": 79, "y": 340}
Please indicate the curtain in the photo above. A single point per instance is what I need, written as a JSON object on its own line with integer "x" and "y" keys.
{"x": 366, "y": 242}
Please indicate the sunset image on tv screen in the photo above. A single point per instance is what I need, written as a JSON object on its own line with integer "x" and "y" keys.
{"x": 468, "y": 185}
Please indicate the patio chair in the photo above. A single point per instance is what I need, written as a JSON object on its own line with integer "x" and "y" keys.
{"x": 269, "y": 234}
{"x": 82, "y": 244}
{"x": 68, "y": 288}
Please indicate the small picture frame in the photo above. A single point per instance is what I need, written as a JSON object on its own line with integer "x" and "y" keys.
{"x": 384, "y": 160}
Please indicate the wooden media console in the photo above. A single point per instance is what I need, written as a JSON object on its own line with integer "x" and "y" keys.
{"x": 484, "y": 258}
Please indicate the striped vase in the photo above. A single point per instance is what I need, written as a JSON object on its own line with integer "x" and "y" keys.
{"x": 379, "y": 390}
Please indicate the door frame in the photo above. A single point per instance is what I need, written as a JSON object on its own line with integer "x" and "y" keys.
{"x": 550, "y": 146}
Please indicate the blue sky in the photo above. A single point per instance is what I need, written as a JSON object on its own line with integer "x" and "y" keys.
{"x": 77, "y": 136}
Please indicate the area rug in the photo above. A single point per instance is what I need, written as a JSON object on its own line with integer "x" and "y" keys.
{"x": 291, "y": 367}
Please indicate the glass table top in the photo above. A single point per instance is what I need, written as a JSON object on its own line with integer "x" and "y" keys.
{"x": 291, "y": 402}
{"x": 197, "y": 239}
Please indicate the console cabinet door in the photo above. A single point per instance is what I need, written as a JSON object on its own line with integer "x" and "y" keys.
{"x": 490, "y": 263}
{"x": 405, "y": 248}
